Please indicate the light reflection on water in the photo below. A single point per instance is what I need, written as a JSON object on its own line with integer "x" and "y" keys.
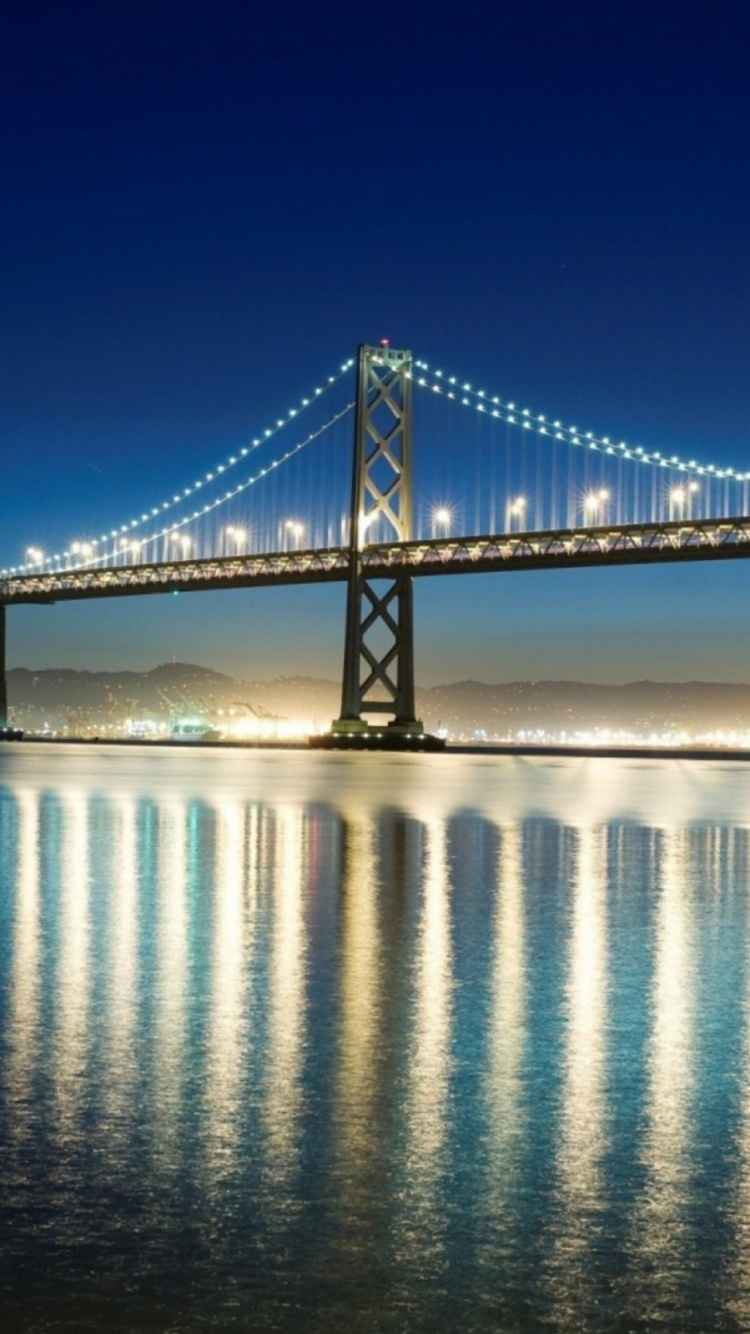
{"x": 661, "y": 1218}
{"x": 582, "y": 1134}
{"x": 23, "y": 1017}
{"x": 282, "y": 1105}
{"x": 373, "y": 1043}
{"x": 231, "y": 949}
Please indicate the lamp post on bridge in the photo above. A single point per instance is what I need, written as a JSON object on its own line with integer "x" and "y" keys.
{"x": 516, "y": 510}
{"x": 680, "y": 500}
{"x": 441, "y": 518}
{"x": 296, "y": 531}
{"x": 594, "y": 503}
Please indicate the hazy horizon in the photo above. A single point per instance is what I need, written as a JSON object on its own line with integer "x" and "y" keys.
{"x": 335, "y": 680}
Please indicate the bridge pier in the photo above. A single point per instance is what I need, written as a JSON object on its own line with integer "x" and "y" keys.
{"x": 379, "y": 646}
{"x": 3, "y": 680}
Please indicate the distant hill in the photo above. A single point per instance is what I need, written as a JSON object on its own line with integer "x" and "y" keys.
{"x": 59, "y": 698}
{"x": 640, "y": 706}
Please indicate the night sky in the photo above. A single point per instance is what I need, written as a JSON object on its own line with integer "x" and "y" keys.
{"x": 208, "y": 206}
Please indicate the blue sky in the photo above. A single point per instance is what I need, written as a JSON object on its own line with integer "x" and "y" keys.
{"x": 207, "y": 211}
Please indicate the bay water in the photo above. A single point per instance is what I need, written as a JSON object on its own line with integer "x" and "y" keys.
{"x": 314, "y": 1042}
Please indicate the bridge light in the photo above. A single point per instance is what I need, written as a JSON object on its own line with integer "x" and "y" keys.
{"x": 296, "y": 529}
{"x": 594, "y": 500}
{"x": 442, "y": 517}
{"x": 365, "y": 520}
{"x": 516, "y": 510}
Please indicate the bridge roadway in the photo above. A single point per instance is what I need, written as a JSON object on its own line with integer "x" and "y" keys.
{"x": 568, "y": 548}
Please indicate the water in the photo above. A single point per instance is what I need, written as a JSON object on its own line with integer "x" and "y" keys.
{"x": 356, "y": 1043}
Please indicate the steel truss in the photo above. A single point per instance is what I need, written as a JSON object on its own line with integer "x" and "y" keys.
{"x": 565, "y": 548}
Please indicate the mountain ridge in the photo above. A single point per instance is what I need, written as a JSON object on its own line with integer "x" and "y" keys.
{"x": 72, "y": 699}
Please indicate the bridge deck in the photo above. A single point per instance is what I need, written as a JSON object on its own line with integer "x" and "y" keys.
{"x": 569, "y": 548}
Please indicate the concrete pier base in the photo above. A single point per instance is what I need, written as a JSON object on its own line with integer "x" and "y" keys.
{"x": 355, "y": 734}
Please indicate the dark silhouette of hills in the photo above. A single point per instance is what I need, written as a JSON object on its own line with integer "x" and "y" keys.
{"x": 59, "y": 698}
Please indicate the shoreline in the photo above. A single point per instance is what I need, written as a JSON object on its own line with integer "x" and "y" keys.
{"x": 629, "y": 752}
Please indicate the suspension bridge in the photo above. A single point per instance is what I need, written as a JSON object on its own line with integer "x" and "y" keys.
{"x": 489, "y": 487}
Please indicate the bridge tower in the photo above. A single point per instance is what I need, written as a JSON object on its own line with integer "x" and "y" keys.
{"x": 379, "y": 644}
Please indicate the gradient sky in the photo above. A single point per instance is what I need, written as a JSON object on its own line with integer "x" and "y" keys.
{"x": 206, "y": 210}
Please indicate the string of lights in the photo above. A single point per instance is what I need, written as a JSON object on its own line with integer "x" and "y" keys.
{"x": 36, "y": 557}
{"x": 592, "y": 497}
{"x": 449, "y": 386}
{"x": 85, "y": 552}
